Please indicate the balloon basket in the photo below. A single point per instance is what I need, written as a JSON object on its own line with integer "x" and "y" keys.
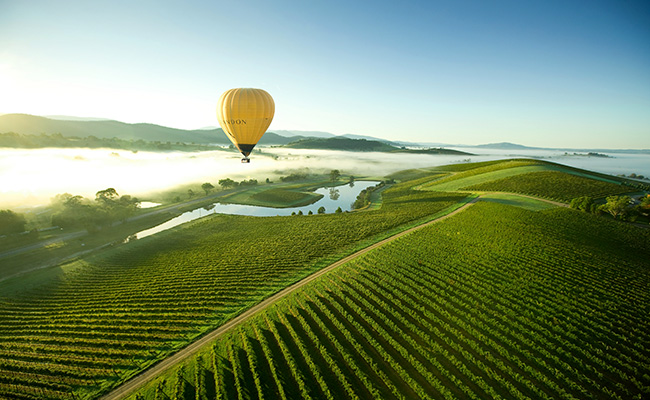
{"x": 245, "y": 160}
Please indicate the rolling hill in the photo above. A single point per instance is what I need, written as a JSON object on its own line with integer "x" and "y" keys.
{"x": 349, "y": 144}
{"x": 34, "y": 125}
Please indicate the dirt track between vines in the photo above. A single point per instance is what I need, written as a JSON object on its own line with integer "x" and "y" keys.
{"x": 149, "y": 374}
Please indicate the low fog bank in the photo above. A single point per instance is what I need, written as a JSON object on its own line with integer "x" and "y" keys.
{"x": 30, "y": 177}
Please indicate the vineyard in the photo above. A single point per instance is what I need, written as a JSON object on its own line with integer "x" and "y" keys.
{"x": 531, "y": 177}
{"x": 81, "y": 328}
{"x": 495, "y": 302}
{"x": 554, "y": 185}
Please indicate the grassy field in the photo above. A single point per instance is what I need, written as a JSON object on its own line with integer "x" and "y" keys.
{"x": 284, "y": 198}
{"x": 496, "y": 302}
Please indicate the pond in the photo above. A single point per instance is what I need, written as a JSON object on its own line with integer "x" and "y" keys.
{"x": 333, "y": 197}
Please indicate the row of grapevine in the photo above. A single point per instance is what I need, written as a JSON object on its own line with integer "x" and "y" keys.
{"x": 107, "y": 317}
{"x": 473, "y": 307}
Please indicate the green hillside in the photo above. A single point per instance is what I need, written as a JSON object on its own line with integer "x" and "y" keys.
{"x": 25, "y": 124}
{"x": 555, "y": 185}
{"x": 284, "y": 198}
{"x": 348, "y": 144}
{"x": 509, "y": 303}
{"x": 340, "y": 143}
{"x": 532, "y": 177}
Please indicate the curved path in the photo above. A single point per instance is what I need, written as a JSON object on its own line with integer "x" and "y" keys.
{"x": 137, "y": 381}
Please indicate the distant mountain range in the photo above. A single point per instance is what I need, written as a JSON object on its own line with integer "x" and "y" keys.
{"x": 317, "y": 134}
{"x": 68, "y": 126}
{"x": 513, "y": 146}
{"x": 34, "y": 125}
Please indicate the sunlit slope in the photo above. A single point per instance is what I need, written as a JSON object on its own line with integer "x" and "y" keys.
{"x": 531, "y": 177}
{"x": 88, "y": 325}
{"x": 556, "y": 185}
{"x": 495, "y": 302}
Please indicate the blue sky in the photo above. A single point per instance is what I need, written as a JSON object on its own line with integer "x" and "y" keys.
{"x": 540, "y": 73}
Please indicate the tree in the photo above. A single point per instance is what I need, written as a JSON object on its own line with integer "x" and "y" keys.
{"x": 108, "y": 207}
{"x": 644, "y": 206}
{"x": 11, "y": 222}
{"x": 73, "y": 211}
{"x": 617, "y": 206}
{"x": 584, "y": 203}
{"x": 126, "y": 207}
{"x": 106, "y": 195}
{"x": 250, "y": 182}
{"x": 334, "y": 174}
{"x": 645, "y": 202}
{"x": 227, "y": 183}
{"x": 207, "y": 187}
{"x": 321, "y": 210}
{"x": 310, "y": 212}
{"x": 338, "y": 210}
{"x": 190, "y": 193}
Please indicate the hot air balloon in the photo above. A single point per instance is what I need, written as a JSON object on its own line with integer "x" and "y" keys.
{"x": 245, "y": 114}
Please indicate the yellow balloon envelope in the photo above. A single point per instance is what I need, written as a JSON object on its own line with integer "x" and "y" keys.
{"x": 245, "y": 114}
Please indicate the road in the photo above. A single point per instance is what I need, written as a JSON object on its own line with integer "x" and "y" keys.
{"x": 136, "y": 382}
{"x": 66, "y": 237}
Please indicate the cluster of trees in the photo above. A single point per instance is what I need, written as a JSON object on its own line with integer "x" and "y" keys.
{"x": 619, "y": 207}
{"x": 633, "y": 176}
{"x": 16, "y": 140}
{"x": 228, "y": 183}
{"x": 296, "y": 176}
{"x": 11, "y": 222}
{"x": 225, "y": 183}
{"x": 363, "y": 199}
{"x": 321, "y": 210}
{"x": 107, "y": 207}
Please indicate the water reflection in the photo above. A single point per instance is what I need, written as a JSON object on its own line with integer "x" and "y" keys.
{"x": 333, "y": 198}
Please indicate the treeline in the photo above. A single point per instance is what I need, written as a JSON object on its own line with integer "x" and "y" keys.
{"x": 620, "y": 207}
{"x": 363, "y": 199}
{"x": 11, "y": 222}
{"x": 108, "y": 207}
{"x": 19, "y": 141}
